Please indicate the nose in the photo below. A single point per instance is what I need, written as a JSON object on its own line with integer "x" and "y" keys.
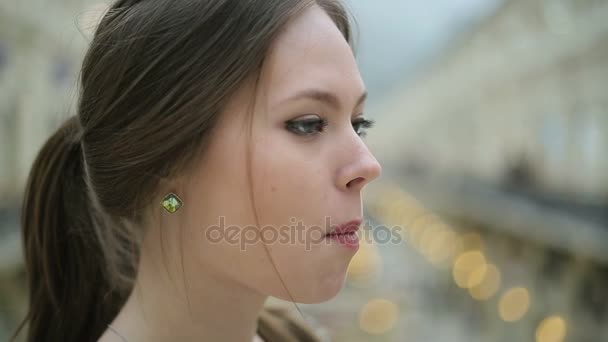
{"x": 360, "y": 168}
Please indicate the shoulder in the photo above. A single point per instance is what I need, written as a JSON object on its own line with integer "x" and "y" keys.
{"x": 281, "y": 324}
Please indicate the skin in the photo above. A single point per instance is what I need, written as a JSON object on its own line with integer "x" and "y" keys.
{"x": 190, "y": 287}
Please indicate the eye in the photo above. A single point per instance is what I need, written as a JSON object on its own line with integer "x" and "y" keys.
{"x": 361, "y": 126}
{"x": 307, "y": 127}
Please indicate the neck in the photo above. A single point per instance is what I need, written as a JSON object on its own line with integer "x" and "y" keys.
{"x": 165, "y": 307}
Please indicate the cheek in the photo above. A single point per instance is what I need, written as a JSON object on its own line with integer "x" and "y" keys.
{"x": 290, "y": 185}
{"x": 287, "y": 185}
{"x": 217, "y": 208}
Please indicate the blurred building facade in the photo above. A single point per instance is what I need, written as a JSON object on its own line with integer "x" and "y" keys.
{"x": 525, "y": 91}
{"x": 41, "y": 46}
{"x": 506, "y": 137}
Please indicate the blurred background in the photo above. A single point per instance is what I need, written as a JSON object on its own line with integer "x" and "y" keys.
{"x": 492, "y": 129}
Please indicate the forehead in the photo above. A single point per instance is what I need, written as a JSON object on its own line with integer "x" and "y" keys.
{"x": 311, "y": 53}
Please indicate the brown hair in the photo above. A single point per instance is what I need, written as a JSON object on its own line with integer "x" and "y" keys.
{"x": 153, "y": 82}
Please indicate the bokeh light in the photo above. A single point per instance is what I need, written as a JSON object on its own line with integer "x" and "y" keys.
{"x": 442, "y": 247}
{"x": 365, "y": 266}
{"x": 378, "y": 316}
{"x": 514, "y": 304}
{"x": 551, "y": 329}
{"x": 489, "y": 283}
{"x": 465, "y": 265}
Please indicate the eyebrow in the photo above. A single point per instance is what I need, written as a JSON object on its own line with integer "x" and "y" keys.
{"x": 323, "y": 96}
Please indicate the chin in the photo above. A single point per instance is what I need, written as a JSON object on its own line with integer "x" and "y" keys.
{"x": 321, "y": 291}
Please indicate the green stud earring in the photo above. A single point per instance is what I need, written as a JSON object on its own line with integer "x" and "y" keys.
{"x": 172, "y": 202}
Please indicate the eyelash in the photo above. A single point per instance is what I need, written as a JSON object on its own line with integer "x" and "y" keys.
{"x": 296, "y": 125}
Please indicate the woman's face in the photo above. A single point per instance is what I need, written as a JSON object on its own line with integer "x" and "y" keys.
{"x": 305, "y": 176}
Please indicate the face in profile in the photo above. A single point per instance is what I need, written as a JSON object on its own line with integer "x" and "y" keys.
{"x": 309, "y": 164}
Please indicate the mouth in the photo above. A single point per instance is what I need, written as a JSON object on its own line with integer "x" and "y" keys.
{"x": 346, "y": 234}
{"x": 346, "y": 228}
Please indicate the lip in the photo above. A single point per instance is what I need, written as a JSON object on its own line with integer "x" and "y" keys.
{"x": 346, "y": 234}
{"x": 346, "y": 228}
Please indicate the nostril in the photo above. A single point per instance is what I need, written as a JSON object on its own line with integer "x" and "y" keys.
{"x": 355, "y": 182}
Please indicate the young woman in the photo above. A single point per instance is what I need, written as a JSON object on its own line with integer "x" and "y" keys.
{"x": 197, "y": 121}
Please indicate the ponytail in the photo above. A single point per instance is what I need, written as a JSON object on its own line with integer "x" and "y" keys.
{"x": 70, "y": 297}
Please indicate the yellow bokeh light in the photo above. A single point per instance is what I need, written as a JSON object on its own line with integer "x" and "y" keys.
{"x": 514, "y": 304}
{"x": 389, "y": 203}
{"x": 552, "y": 329}
{"x": 428, "y": 235}
{"x": 365, "y": 266}
{"x": 442, "y": 247}
{"x": 456, "y": 247}
{"x": 465, "y": 265}
{"x": 378, "y": 316}
{"x": 396, "y": 211}
{"x": 488, "y": 285}
{"x": 418, "y": 225}
{"x": 476, "y": 276}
